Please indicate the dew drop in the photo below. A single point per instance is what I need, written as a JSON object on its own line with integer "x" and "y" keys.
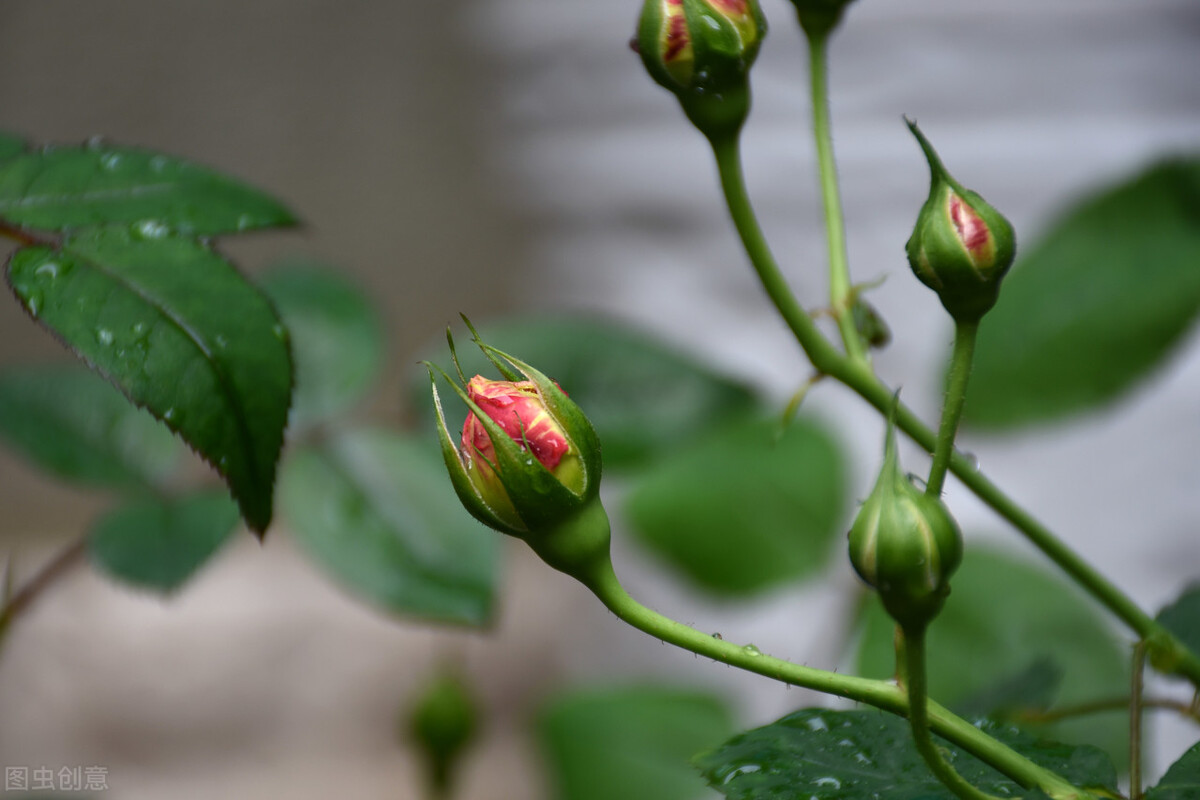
{"x": 169, "y": 414}
{"x": 110, "y": 161}
{"x": 47, "y": 270}
{"x": 222, "y": 342}
{"x": 280, "y": 332}
{"x": 158, "y": 163}
{"x": 817, "y": 724}
{"x": 33, "y": 302}
{"x": 138, "y": 328}
{"x": 150, "y": 229}
{"x": 244, "y": 221}
{"x": 104, "y": 336}
{"x": 751, "y": 650}
{"x": 828, "y": 780}
{"x": 744, "y": 769}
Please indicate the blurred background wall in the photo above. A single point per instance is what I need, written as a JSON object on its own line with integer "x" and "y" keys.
{"x": 509, "y": 155}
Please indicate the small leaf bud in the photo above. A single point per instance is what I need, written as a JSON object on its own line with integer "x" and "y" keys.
{"x": 961, "y": 246}
{"x": 442, "y": 723}
{"x": 905, "y": 544}
{"x": 702, "y": 51}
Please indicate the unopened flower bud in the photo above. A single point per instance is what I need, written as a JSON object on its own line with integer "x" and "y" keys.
{"x": 702, "y": 51}
{"x": 819, "y": 17}
{"x": 528, "y": 463}
{"x": 442, "y": 723}
{"x": 961, "y": 246}
{"x": 905, "y": 544}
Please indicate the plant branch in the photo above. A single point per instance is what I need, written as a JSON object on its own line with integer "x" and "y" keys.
{"x": 841, "y": 293}
{"x": 1135, "y": 721}
{"x": 952, "y": 407}
{"x": 858, "y": 377}
{"x": 62, "y": 563}
{"x": 915, "y": 679}
{"x": 884, "y": 695}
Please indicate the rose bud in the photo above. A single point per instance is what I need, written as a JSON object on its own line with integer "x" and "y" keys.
{"x": 702, "y": 51}
{"x": 528, "y": 463}
{"x": 961, "y": 246}
{"x": 819, "y": 17}
{"x": 905, "y": 544}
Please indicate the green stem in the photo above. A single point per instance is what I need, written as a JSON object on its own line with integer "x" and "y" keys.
{"x": 952, "y": 407}
{"x": 914, "y": 665}
{"x": 841, "y": 292}
{"x": 1135, "y": 721}
{"x": 858, "y": 376}
{"x": 885, "y": 695}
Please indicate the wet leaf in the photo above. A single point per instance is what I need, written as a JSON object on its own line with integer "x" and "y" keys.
{"x": 159, "y": 544}
{"x": 743, "y": 509}
{"x": 75, "y": 425}
{"x": 376, "y": 511}
{"x": 182, "y": 334}
{"x": 818, "y": 754}
{"x": 59, "y": 188}
{"x": 629, "y": 743}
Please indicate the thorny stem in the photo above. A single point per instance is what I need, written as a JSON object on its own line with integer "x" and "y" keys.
{"x": 952, "y": 407}
{"x": 885, "y": 695}
{"x": 841, "y": 293}
{"x": 59, "y": 565}
{"x": 858, "y": 376}
{"x": 915, "y": 679}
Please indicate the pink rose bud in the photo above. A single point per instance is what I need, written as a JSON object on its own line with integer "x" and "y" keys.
{"x": 517, "y": 408}
{"x": 528, "y": 460}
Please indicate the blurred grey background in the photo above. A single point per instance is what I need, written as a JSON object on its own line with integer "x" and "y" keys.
{"x": 507, "y": 155}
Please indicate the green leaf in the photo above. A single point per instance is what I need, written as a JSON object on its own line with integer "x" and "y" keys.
{"x": 11, "y": 146}
{"x": 76, "y": 426}
{"x": 376, "y": 511}
{"x": 744, "y": 509}
{"x": 158, "y": 544}
{"x": 337, "y": 338}
{"x": 629, "y": 743}
{"x": 59, "y": 188}
{"x": 1031, "y": 689}
{"x": 643, "y": 398}
{"x": 181, "y": 333}
{"x": 818, "y": 754}
{"x": 1096, "y": 305}
{"x": 1182, "y": 617}
{"x": 1002, "y": 615}
{"x": 1182, "y": 781}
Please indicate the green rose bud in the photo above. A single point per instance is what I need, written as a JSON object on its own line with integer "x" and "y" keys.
{"x": 702, "y": 51}
{"x": 528, "y": 462}
{"x": 905, "y": 544}
{"x": 961, "y": 246}
{"x": 442, "y": 723}
{"x": 819, "y": 17}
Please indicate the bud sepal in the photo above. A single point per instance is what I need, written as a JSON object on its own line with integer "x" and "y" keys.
{"x": 961, "y": 246}
{"x": 905, "y": 544}
{"x": 529, "y": 462}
